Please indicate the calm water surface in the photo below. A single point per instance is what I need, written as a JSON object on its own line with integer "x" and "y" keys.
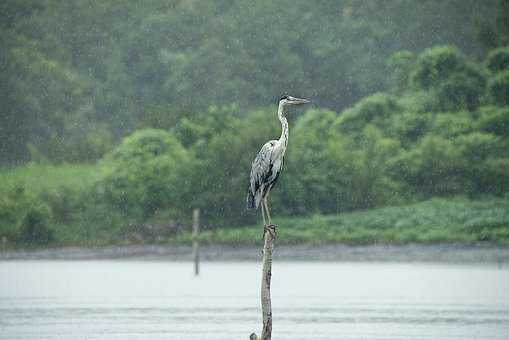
{"x": 128, "y": 299}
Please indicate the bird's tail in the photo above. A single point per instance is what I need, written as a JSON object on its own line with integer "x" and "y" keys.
{"x": 251, "y": 203}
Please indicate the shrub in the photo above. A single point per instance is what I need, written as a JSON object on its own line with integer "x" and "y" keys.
{"x": 498, "y": 88}
{"x": 356, "y": 173}
{"x": 35, "y": 226}
{"x": 450, "y": 125}
{"x": 375, "y": 109}
{"x": 494, "y": 177}
{"x": 494, "y": 119}
{"x": 476, "y": 146}
{"x": 148, "y": 172}
{"x": 400, "y": 64}
{"x": 456, "y": 83}
{"x": 408, "y": 126}
{"x": 459, "y": 92}
{"x": 63, "y": 202}
{"x": 480, "y": 152}
{"x": 433, "y": 167}
{"x": 498, "y": 59}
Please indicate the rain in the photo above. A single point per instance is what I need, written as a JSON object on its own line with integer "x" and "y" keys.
{"x": 203, "y": 169}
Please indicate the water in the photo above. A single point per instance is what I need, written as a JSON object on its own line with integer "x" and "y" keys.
{"x": 127, "y": 299}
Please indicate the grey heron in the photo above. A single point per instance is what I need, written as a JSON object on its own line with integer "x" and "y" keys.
{"x": 268, "y": 164}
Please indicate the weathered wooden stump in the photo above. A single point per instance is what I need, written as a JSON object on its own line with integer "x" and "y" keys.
{"x": 268, "y": 247}
{"x": 196, "y": 244}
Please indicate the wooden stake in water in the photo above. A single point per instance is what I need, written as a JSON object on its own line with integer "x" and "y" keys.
{"x": 196, "y": 245}
{"x": 268, "y": 246}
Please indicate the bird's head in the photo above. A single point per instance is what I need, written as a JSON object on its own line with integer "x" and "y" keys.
{"x": 289, "y": 100}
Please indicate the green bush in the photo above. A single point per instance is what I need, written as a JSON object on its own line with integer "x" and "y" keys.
{"x": 433, "y": 167}
{"x": 450, "y": 125}
{"x": 498, "y": 59}
{"x": 493, "y": 176}
{"x": 400, "y": 64}
{"x": 35, "y": 226}
{"x": 25, "y": 218}
{"x": 460, "y": 91}
{"x": 494, "y": 119}
{"x": 375, "y": 109}
{"x": 148, "y": 172}
{"x": 455, "y": 82}
{"x": 13, "y": 204}
{"x": 409, "y": 126}
{"x": 477, "y": 146}
{"x": 357, "y": 172}
{"x": 63, "y": 202}
{"x": 498, "y": 88}
{"x": 48, "y": 203}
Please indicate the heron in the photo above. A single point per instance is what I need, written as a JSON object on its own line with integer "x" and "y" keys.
{"x": 268, "y": 164}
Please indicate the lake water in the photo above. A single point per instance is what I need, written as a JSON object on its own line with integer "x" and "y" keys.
{"x": 135, "y": 299}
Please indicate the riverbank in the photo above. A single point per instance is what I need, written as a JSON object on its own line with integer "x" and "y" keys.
{"x": 446, "y": 253}
{"x": 451, "y": 221}
{"x": 456, "y": 220}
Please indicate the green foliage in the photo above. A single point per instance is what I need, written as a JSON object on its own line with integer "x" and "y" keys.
{"x": 436, "y": 220}
{"x": 498, "y": 88}
{"x": 358, "y": 171}
{"x": 433, "y": 167}
{"x": 34, "y": 228}
{"x": 375, "y": 109}
{"x": 148, "y": 172}
{"x": 408, "y": 126}
{"x": 81, "y": 75}
{"x": 494, "y": 120}
{"x": 305, "y": 164}
{"x": 193, "y": 81}
{"x": 40, "y": 178}
{"x": 400, "y": 65}
{"x": 498, "y": 60}
{"x": 41, "y": 204}
{"x": 456, "y": 83}
{"x": 451, "y": 125}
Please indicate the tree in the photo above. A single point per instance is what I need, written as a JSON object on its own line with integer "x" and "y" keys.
{"x": 455, "y": 83}
{"x": 498, "y": 88}
{"x": 498, "y": 60}
{"x": 148, "y": 173}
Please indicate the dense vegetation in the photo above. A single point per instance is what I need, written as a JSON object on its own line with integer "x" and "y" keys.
{"x": 435, "y": 221}
{"x": 119, "y": 127}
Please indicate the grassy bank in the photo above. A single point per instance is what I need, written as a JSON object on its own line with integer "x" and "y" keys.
{"x": 39, "y": 178}
{"x": 57, "y": 202}
{"x": 456, "y": 220}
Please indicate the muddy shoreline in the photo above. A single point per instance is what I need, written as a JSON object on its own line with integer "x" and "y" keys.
{"x": 448, "y": 253}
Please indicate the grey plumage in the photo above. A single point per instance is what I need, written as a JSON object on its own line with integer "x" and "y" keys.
{"x": 268, "y": 164}
{"x": 265, "y": 171}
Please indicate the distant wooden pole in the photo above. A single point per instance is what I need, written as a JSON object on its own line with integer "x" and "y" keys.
{"x": 268, "y": 247}
{"x": 196, "y": 244}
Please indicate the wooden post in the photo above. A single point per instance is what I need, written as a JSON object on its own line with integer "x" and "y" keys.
{"x": 196, "y": 245}
{"x": 268, "y": 246}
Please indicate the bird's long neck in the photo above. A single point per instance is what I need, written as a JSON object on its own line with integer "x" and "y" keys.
{"x": 284, "y": 127}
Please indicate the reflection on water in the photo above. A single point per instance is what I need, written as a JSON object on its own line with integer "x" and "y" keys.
{"x": 313, "y": 300}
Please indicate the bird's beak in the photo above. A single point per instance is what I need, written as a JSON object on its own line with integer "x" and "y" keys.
{"x": 297, "y": 101}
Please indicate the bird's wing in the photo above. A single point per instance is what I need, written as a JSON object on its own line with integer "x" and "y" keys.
{"x": 261, "y": 166}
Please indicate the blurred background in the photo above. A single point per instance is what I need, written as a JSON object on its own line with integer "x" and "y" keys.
{"x": 117, "y": 118}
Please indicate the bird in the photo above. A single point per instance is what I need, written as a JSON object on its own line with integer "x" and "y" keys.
{"x": 267, "y": 165}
